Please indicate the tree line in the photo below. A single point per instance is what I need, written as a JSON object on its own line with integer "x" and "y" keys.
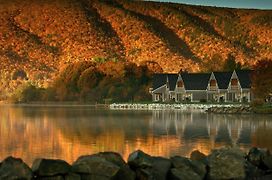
{"x": 90, "y": 81}
{"x": 119, "y": 81}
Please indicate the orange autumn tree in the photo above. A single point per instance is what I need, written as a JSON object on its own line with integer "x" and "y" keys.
{"x": 262, "y": 80}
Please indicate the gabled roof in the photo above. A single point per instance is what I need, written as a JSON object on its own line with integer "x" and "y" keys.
{"x": 244, "y": 78}
{"x": 159, "y": 80}
{"x": 222, "y": 79}
{"x": 160, "y": 90}
{"x": 196, "y": 81}
{"x": 200, "y": 81}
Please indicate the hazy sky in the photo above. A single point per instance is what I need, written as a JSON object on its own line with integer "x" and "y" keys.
{"x": 256, "y": 4}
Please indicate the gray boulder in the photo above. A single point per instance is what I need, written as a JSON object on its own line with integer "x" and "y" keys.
{"x": 94, "y": 177}
{"x": 51, "y": 178}
{"x": 268, "y": 161}
{"x": 95, "y": 167}
{"x": 260, "y": 158}
{"x": 115, "y": 158}
{"x": 160, "y": 168}
{"x": 185, "y": 165}
{"x": 266, "y": 177}
{"x": 139, "y": 159}
{"x": 183, "y": 174}
{"x": 252, "y": 171}
{"x": 198, "y": 156}
{"x": 226, "y": 164}
{"x": 15, "y": 169}
{"x": 141, "y": 163}
{"x": 72, "y": 176}
{"x": 50, "y": 167}
{"x": 144, "y": 174}
{"x": 256, "y": 156}
{"x": 147, "y": 167}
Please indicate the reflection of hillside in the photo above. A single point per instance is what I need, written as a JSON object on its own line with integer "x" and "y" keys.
{"x": 87, "y": 125}
{"x": 31, "y": 132}
{"x": 26, "y": 137}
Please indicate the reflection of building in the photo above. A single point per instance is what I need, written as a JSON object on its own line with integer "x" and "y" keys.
{"x": 206, "y": 130}
{"x": 194, "y": 87}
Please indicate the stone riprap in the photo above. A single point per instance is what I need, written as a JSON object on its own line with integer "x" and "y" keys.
{"x": 213, "y": 108}
{"x": 225, "y": 163}
{"x": 230, "y": 110}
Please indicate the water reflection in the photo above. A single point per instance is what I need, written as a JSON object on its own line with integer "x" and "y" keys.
{"x": 68, "y": 132}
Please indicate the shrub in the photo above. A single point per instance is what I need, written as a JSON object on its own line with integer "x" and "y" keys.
{"x": 26, "y": 93}
{"x": 119, "y": 81}
{"x": 257, "y": 102}
{"x": 48, "y": 94}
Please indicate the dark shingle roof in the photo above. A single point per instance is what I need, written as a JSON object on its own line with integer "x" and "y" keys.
{"x": 196, "y": 81}
{"x": 199, "y": 81}
{"x": 172, "y": 81}
{"x": 223, "y": 79}
{"x": 158, "y": 80}
{"x": 244, "y": 78}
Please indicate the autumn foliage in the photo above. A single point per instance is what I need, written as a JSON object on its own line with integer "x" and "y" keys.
{"x": 41, "y": 38}
{"x": 262, "y": 80}
{"x": 91, "y": 82}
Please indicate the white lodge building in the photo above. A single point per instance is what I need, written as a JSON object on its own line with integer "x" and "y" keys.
{"x": 202, "y": 87}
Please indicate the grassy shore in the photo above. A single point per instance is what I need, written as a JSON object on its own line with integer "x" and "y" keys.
{"x": 54, "y": 104}
{"x": 264, "y": 109}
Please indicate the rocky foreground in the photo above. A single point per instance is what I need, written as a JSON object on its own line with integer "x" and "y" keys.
{"x": 226, "y": 163}
{"x": 230, "y": 110}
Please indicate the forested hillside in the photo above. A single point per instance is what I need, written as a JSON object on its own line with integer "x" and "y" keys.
{"x": 38, "y": 39}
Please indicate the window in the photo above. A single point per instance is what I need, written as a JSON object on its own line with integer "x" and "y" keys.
{"x": 213, "y": 82}
{"x": 234, "y": 82}
{"x": 180, "y": 84}
{"x": 213, "y": 86}
{"x": 157, "y": 97}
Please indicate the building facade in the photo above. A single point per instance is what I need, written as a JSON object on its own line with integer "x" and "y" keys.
{"x": 202, "y": 87}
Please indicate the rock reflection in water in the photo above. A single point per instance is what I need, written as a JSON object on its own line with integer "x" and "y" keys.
{"x": 68, "y": 132}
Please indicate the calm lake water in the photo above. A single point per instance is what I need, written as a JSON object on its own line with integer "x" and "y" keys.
{"x": 68, "y": 132}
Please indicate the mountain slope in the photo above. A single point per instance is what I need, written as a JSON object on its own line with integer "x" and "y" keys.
{"x": 40, "y": 37}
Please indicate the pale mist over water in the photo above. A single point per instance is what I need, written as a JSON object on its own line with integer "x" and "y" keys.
{"x": 69, "y": 132}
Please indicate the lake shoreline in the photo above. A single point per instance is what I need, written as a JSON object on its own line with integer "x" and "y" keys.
{"x": 231, "y": 108}
{"x": 209, "y": 108}
{"x": 224, "y": 163}
{"x": 53, "y": 104}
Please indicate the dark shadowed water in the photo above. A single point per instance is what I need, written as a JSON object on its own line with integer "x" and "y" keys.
{"x": 68, "y": 132}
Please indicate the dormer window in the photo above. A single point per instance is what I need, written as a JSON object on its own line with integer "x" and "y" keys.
{"x": 234, "y": 82}
{"x": 213, "y": 83}
{"x": 180, "y": 84}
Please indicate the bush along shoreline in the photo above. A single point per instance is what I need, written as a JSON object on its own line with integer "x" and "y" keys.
{"x": 225, "y": 163}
